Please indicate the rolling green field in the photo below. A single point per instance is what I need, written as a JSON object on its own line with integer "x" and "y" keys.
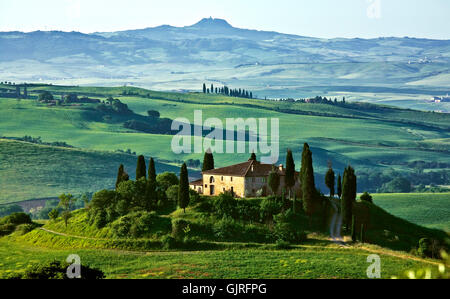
{"x": 302, "y": 262}
{"x": 366, "y": 136}
{"x": 430, "y": 210}
{"x": 31, "y": 171}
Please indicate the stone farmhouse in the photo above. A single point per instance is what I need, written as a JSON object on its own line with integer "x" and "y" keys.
{"x": 248, "y": 179}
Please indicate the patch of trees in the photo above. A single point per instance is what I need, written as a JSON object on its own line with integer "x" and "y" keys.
{"x": 9, "y": 209}
{"x": 73, "y": 98}
{"x": 56, "y": 270}
{"x": 38, "y": 140}
{"x": 18, "y": 221}
{"x": 225, "y": 90}
{"x": 111, "y": 105}
{"x": 45, "y": 97}
{"x": 146, "y": 194}
{"x": 157, "y": 126}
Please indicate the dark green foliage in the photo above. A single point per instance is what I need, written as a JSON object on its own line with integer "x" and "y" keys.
{"x": 248, "y": 210}
{"x": 45, "y": 96}
{"x": 204, "y": 88}
{"x": 153, "y": 113}
{"x": 151, "y": 171}
{"x": 353, "y": 228}
{"x": 366, "y": 197}
{"x": 121, "y": 175}
{"x": 397, "y": 185}
{"x": 57, "y": 270}
{"x": 151, "y": 187}
{"x": 309, "y": 193}
{"x": 53, "y": 214}
{"x": 424, "y": 248}
{"x": 136, "y": 224}
{"x": 172, "y": 193}
{"x": 179, "y": 228}
{"x": 17, "y": 218}
{"x": 166, "y": 179}
{"x": 141, "y": 169}
{"x": 362, "y": 233}
{"x": 289, "y": 179}
{"x": 168, "y": 242}
{"x": 225, "y": 205}
{"x": 226, "y": 229}
{"x": 286, "y": 228}
{"x": 339, "y": 186}
{"x": 208, "y": 161}
{"x": 9, "y": 209}
{"x": 183, "y": 190}
{"x": 274, "y": 180}
{"x": 282, "y": 245}
{"x": 348, "y": 195}
{"x": 329, "y": 181}
{"x": 269, "y": 207}
{"x": 252, "y": 157}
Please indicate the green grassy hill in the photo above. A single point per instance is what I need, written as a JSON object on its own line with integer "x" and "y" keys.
{"x": 427, "y": 209}
{"x": 317, "y": 257}
{"x": 31, "y": 171}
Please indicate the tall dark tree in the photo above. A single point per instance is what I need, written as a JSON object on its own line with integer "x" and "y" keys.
{"x": 204, "y": 88}
{"x": 183, "y": 190}
{"x": 307, "y": 181}
{"x": 329, "y": 180}
{"x": 348, "y": 195}
{"x": 151, "y": 193}
{"x": 289, "y": 179}
{"x": 274, "y": 180}
{"x": 151, "y": 170}
{"x": 253, "y": 157}
{"x": 122, "y": 176}
{"x": 141, "y": 169}
{"x": 208, "y": 161}
{"x": 212, "y": 88}
{"x": 339, "y": 186}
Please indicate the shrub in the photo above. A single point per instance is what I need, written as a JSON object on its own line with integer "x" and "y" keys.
{"x": 225, "y": 205}
{"x": 57, "y": 270}
{"x": 424, "y": 247}
{"x": 286, "y": 228}
{"x": 168, "y": 242}
{"x": 270, "y": 207}
{"x": 226, "y": 229}
{"x": 179, "y": 228}
{"x": 18, "y": 218}
{"x": 6, "y": 229}
{"x": 366, "y": 197}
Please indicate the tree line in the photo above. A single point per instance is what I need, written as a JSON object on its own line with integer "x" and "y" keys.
{"x": 225, "y": 90}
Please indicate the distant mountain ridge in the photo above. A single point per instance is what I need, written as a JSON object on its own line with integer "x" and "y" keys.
{"x": 182, "y": 58}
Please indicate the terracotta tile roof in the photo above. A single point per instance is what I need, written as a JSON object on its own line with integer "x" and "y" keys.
{"x": 197, "y": 182}
{"x": 247, "y": 169}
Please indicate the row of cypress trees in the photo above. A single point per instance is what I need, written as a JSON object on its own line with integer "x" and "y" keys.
{"x": 240, "y": 93}
{"x": 151, "y": 186}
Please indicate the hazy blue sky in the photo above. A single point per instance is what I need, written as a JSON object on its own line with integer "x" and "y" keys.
{"x": 319, "y": 18}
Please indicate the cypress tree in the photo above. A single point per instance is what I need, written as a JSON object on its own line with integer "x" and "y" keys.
{"x": 353, "y": 228}
{"x": 121, "y": 176}
{"x": 329, "y": 181}
{"x": 208, "y": 161}
{"x": 141, "y": 169}
{"x": 151, "y": 170}
{"x": 253, "y": 157}
{"x": 339, "y": 186}
{"x": 307, "y": 181}
{"x": 362, "y": 233}
{"x": 348, "y": 195}
{"x": 289, "y": 179}
{"x": 204, "y": 88}
{"x": 152, "y": 196}
{"x": 183, "y": 190}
